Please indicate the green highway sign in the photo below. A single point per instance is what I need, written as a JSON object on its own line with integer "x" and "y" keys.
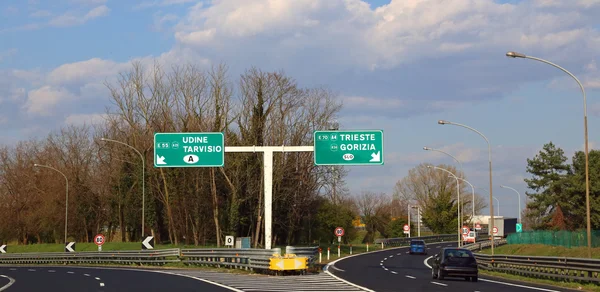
{"x": 519, "y": 227}
{"x": 189, "y": 149}
{"x": 354, "y": 147}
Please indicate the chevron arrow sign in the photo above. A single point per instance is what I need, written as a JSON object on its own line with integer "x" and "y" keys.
{"x": 3, "y": 248}
{"x": 148, "y": 243}
{"x": 70, "y": 246}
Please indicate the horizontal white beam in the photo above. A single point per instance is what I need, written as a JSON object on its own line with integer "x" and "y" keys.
{"x": 282, "y": 148}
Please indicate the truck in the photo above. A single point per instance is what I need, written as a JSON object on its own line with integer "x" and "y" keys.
{"x": 505, "y": 226}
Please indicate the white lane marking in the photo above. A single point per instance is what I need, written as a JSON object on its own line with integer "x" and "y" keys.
{"x": 391, "y": 256}
{"x": 520, "y": 286}
{"x": 381, "y": 264}
{"x": 31, "y": 270}
{"x": 12, "y": 269}
{"x": 441, "y": 284}
{"x": 407, "y": 251}
{"x": 101, "y": 284}
{"x": 338, "y": 269}
{"x": 10, "y": 282}
{"x": 69, "y": 272}
{"x": 409, "y": 276}
{"x": 425, "y": 262}
{"x": 393, "y": 272}
{"x": 439, "y": 246}
{"x": 385, "y": 268}
{"x": 399, "y": 253}
{"x": 97, "y": 278}
{"x": 87, "y": 275}
{"x": 51, "y": 271}
{"x": 385, "y": 259}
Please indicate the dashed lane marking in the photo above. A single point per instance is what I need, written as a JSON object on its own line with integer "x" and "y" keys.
{"x": 409, "y": 276}
{"x": 69, "y": 272}
{"x": 393, "y": 272}
{"x": 101, "y": 284}
{"x": 441, "y": 284}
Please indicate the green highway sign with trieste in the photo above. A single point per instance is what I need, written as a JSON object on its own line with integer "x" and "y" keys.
{"x": 353, "y": 147}
{"x": 189, "y": 149}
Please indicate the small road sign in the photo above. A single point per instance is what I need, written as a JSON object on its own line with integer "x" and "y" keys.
{"x": 339, "y": 231}
{"x": 356, "y": 147}
{"x": 99, "y": 240}
{"x": 477, "y": 226}
{"x": 519, "y": 227}
{"x": 406, "y": 228}
{"x": 3, "y": 248}
{"x": 465, "y": 230}
{"x": 70, "y": 246}
{"x": 495, "y": 230}
{"x": 229, "y": 240}
{"x": 148, "y": 243}
{"x": 189, "y": 149}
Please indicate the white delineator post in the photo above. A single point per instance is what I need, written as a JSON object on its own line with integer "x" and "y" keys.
{"x": 268, "y": 178}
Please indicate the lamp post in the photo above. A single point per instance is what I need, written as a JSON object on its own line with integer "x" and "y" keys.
{"x": 442, "y": 122}
{"x": 472, "y": 202}
{"x": 143, "y": 178}
{"x": 585, "y": 134}
{"x": 519, "y": 196}
{"x": 418, "y": 219}
{"x": 458, "y": 196}
{"x": 334, "y": 126}
{"x": 498, "y": 202}
{"x": 459, "y": 163}
{"x": 66, "y": 195}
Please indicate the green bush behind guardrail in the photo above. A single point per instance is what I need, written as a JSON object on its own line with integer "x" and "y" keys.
{"x": 562, "y": 238}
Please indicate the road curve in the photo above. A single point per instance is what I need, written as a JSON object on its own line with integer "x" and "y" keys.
{"x": 66, "y": 279}
{"x": 396, "y": 270}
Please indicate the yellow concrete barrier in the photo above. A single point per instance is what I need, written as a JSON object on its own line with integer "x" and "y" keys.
{"x": 287, "y": 263}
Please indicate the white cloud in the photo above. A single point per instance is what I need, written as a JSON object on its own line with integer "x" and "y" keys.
{"x": 148, "y": 4}
{"x": 72, "y": 18}
{"x": 91, "y": 70}
{"x": 460, "y": 151}
{"x": 88, "y": 119}
{"x": 40, "y": 14}
{"x": 41, "y": 101}
{"x": 89, "y": 2}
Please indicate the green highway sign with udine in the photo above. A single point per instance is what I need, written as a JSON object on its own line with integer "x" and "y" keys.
{"x": 189, "y": 149}
{"x": 354, "y": 147}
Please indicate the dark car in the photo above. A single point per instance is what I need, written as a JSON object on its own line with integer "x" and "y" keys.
{"x": 454, "y": 262}
{"x": 418, "y": 246}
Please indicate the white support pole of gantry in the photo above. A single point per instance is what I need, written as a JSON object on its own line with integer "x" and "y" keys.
{"x": 268, "y": 177}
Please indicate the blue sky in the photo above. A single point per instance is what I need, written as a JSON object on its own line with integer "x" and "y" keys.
{"x": 398, "y": 65}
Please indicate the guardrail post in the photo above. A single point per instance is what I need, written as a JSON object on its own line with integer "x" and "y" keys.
{"x": 351, "y": 248}
{"x": 328, "y": 252}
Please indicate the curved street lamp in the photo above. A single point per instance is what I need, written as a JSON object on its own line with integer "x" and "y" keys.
{"x": 143, "y": 178}
{"x": 66, "y": 196}
{"x": 585, "y": 134}
{"x": 519, "y": 196}
{"x": 442, "y": 122}
{"x": 472, "y": 202}
{"x": 458, "y": 196}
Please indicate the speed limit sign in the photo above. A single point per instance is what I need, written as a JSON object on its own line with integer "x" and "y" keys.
{"x": 339, "y": 231}
{"x": 99, "y": 239}
{"x": 228, "y": 240}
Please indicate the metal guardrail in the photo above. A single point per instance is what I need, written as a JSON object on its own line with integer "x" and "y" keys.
{"x": 152, "y": 257}
{"x": 402, "y": 241}
{"x": 310, "y": 252}
{"x": 555, "y": 268}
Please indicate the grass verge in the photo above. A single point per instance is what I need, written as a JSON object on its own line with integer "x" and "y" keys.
{"x": 543, "y": 250}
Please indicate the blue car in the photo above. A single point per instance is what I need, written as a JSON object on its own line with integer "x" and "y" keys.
{"x": 418, "y": 246}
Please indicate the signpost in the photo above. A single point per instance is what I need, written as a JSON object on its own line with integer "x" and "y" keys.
{"x": 519, "y": 227}
{"x": 189, "y": 149}
{"x": 229, "y": 240}
{"x": 99, "y": 241}
{"x": 70, "y": 246}
{"x": 148, "y": 243}
{"x": 353, "y": 147}
{"x": 477, "y": 226}
{"x": 339, "y": 232}
{"x": 406, "y": 229}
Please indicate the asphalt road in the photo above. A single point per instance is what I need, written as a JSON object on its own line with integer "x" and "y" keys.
{"x": 67, "y": 279}
{"x": 396, "y": 270}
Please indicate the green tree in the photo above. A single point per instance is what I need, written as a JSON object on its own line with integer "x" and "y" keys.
{"x": 549, "y": 182}
{"x": 573, "y": 200}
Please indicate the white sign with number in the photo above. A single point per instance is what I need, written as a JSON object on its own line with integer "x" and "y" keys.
{"x": 228, "y": 240}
